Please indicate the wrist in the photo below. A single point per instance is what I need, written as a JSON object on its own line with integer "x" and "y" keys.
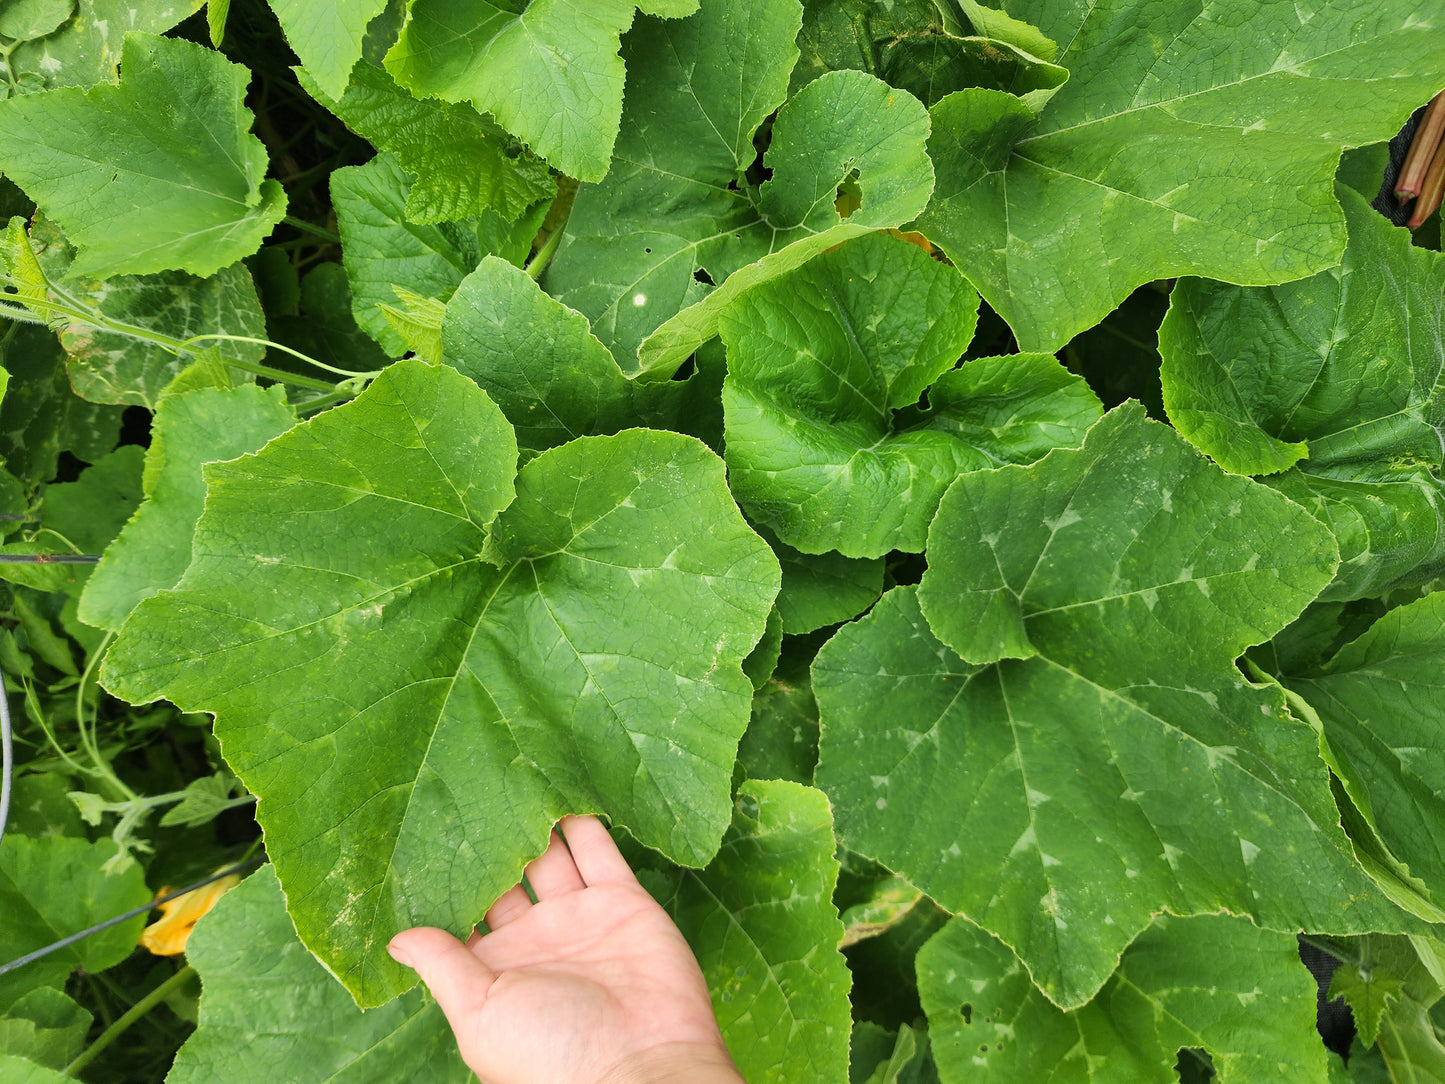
{"x": 695, "y": 1063}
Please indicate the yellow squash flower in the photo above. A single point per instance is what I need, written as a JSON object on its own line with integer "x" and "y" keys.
{"x": 168, "y": 934}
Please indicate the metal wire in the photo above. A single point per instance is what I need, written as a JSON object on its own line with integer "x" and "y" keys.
{"x": 66, "y": 942}
{"x": 7, "y": 757}
{"x": 48, "y": 559}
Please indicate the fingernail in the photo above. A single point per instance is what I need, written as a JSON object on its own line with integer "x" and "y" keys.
{"x": 399, "y": 956}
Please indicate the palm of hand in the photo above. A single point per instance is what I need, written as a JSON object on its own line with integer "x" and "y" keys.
{"x": 569, "y": 988}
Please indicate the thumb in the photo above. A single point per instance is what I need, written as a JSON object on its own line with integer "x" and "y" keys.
{"x": 456, "y": 978}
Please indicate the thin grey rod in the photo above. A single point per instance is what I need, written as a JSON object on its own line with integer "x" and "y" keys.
{"x": 7, "y": 757}
{"x": 66, "y": 942}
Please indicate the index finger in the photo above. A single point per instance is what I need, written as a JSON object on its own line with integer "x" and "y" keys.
{"x": 597, "y": 857}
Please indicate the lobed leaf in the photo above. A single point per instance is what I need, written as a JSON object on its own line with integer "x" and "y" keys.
{"x": 55, "y": 886}
{"x": 45, "y": 1027}
{"x": 1212, "y": 983}
{"x": 1151, "y": 162}
{"x": 158, "y": 173}
{"x": 383, "y": 251}
{"x": 328, "y": 38}
{"x": 153, "y": 550}
{"x": 84, "y": 48}
{"x": 268, "y": 1000}
{"x": 551, "y": 72}
{"x": 116, "y": 368}
{"x": 824, "y": 367}
{"x": 1110, "y": 763}
{"x": 464, "y": 163}
{"x": 1340, "y": 376}
{"x": 1379, "y": 699}
{"x": 918, "y": 46}
{"x": 676, "y": 214}
{"x": 542, "y": 365}
{"x": 761, "y": 921}
{"x": 416, "y": 687}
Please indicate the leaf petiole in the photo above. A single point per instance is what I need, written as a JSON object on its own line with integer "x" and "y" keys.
{"x": 129, "y": 1017}
{"x": 1422, "y": 150}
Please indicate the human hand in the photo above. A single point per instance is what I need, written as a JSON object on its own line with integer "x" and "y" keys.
{"x": 593, "y": 984}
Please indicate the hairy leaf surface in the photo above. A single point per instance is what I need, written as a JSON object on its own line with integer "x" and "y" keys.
{"x": 417, "y": 687}
{"x": 762, "y": 922}
{"x": 1212, "y": 982}
{"x": 201, "y": 426}
{"x": 265, "y": 997}
{"x": 677, "y": 212}
{"x": 159, "y": 173}
{"x": 550, "y": 72}
{"x": 1153, "y": 161}
{"x": 463, "y": 162}
{"x": 1111, "y": 763}
{"x": 1341, "y": 375}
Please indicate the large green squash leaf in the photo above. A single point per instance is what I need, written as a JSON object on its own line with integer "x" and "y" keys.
{"x": 45, "y": 1026}
{"x": 678, "y": 213}
{"x": 464, "y": 163}
{"x": 542, "y": 365}
{"x": 762, "y": 922}
{"x": 824, "y": 366}
{"x": 53, "y": 887}
{"x": 159, "y": 173}
{"x": 781, "y": 741}
{"x": 1100, "y": 759}
{"x": 327, "y": 37}
{"x": 383, "y": 251}
{"x": 917, "y": 47}
{"x": 113, "y": 367}
{"x": 1152, "y": 161}
{"x": 824, "y": 588}
{"x": 85, "y": 47}
{"x": 269, "y": 1010}
{"x": 1339, "y": 375}
{"x": 1381, "y": 699}
{"x": 1212, "y": 982}
{"x": 417, "y": 687}
{"x": 18, "y": 1070}
{"x": 548, "y": 70}
{"x": 201, "y": 426}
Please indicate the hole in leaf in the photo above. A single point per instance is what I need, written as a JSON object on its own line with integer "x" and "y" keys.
{"x": 966, "y": 1011}
{"x": 702, "y": 276}
{"x": 648, "y": 251}
{"x": 757, "y": 173}
{"x": 1194, "y": 1066}
{"x": 850, "y": 196}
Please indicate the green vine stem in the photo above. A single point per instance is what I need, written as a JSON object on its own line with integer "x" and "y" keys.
{"x": 314, "y": 230}
{"x": 28, "y": 308}
{"x": 129, "y": 1017}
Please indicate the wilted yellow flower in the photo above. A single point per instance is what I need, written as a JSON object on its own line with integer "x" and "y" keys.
{"x": 167, "y": 935}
